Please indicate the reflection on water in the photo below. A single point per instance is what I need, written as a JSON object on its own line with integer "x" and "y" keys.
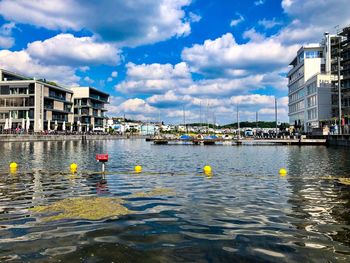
{"x": 244, "y": 212}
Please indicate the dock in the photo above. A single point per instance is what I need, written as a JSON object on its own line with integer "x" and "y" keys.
{"x": 238, "y": 142}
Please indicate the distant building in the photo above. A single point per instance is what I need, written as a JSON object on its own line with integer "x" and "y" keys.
{"x": 40, "y": 104}
{"x": 89, "y": 108}
{"x": 148, "y": 129}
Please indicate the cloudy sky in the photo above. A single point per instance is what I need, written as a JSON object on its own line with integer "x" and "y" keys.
{"x": 160, "y": 57}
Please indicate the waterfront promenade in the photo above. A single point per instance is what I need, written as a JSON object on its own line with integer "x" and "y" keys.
{"x": 62, "y": 137}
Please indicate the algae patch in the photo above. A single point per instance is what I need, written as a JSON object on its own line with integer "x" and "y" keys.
{"x": 91, "y": 208}
{"x": 345, "y": 181}
{"x": 154, "y": 192}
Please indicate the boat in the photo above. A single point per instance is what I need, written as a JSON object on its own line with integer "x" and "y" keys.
{"x": 160, "y": 140}
{"x": 210, "y": 140}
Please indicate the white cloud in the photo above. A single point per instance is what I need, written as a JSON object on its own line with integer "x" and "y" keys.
{"x": 6, "y": 41}
{"x": 110, "y": 79}
{"x": 59, "y": 57}
{"x": 21, "y": 62}
{"x": 114, "y": 74}
{"x": 221, "y": 87}
{"x": 312, "y": 18}
{"x": 194, "y": 17}
{"x": 259, "y": 2}
{"x": 65, "y": 49}
{"x": 222, "y": 56}
{"x": 235, "y": 22}
{"x": 252, "y": 99}
{"x": 268, "y": 24}
{"x": 129, "y": 24}
{"x": 167, "y": 100}
{"x": 7, "y": 28}
{"x": 88, "y": 80}
{"x": 154, "y": 78}
{"x": 137, "y": 108}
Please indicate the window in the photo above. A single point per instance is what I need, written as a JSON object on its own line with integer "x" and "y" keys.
{"x": 312, "y": 54}
{"x": 312, "y": 101}
{"x": 301, "y": 57}
{"x": 4, "y": 90}
{"x": 312, "y": 114}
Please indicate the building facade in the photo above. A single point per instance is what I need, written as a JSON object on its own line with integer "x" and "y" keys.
{"x": 33, "y": 104}
{"x": 89, "y": 108}
{"x": 343, "y": 51}
{"x": 316, "y": 67}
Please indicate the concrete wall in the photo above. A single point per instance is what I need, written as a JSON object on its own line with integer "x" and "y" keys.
{"x": 28, "y": 138}
{"x": 339, "y": 140}
{"x": 312, "y": 66}
{"x": 80, "y": 92}
{"x": 58, "y": 105}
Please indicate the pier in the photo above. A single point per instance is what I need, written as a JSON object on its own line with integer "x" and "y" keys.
{"x": 238, "y": 142}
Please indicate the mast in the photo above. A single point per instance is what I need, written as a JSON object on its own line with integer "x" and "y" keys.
{"x": 200, "y": 113}
{"x": 184, "y": 117}
{"x": 276, "y": 114}
{"x": 207, "y": 117}
{"x": 239, "y": 133}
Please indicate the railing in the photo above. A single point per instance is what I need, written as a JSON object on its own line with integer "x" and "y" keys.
{"x": 63, "y": 118}
{"x": 98, "y": 97}
{"x": 48, "y": 106}
{"x": 55, "y": 96}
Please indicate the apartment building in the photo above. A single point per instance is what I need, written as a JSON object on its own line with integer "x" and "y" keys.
{"x": 33, "y": 104}
{"x": 343, "y": 51}
{"x": 310, "y": 85}
{"x": 89, "y": 108}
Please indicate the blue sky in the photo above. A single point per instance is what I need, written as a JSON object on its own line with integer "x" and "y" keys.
{"x": 160, "y": 57}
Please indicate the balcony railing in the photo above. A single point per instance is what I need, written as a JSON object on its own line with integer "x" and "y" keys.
{"x": 98, "y": 97}
{"x": 55, "y": 96}
{"x": 63, "y": 118}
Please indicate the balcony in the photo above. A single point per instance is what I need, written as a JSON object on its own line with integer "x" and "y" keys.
{"x": 60, "y": 118}
{"x": 96, "y": 97}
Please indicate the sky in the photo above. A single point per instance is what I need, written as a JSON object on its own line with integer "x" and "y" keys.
{"x": 160, "y": 58}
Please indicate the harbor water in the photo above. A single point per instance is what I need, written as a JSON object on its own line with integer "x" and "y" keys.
{"x": 171, "y": 211}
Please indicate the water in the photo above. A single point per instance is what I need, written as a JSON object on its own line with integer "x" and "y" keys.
{"x": 245, "y": 212}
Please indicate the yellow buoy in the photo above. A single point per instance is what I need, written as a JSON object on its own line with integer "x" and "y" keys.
{"x": 207, "y": 169}
{"x": 138, "y": 168}
{"x": 13, "y": 165}
{"x": 73, "y": 167}
{"x": 283, "y": 172}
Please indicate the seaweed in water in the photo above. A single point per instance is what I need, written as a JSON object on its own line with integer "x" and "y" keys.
{"x": 91, "y": 208}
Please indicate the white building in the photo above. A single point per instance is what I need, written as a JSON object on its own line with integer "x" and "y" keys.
{"x": 33, "y": 104}
{"x": 309, "y": 86}
{"x": 89, "y": 108}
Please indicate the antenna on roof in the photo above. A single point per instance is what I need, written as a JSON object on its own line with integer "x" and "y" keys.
{"x": 336, "y": 28}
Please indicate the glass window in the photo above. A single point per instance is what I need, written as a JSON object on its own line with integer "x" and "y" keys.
{"x": 4, "y": 90}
